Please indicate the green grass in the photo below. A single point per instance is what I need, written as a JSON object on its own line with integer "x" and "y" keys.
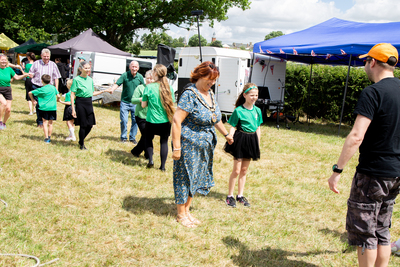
{"x": 102, "y": 207}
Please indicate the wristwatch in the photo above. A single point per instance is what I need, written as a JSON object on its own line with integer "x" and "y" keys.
{"x": 336, "y": 169}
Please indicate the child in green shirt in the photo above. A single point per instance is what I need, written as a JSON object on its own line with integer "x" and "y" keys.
{"x": 68, "y": 111}
{"x": 47, "y": 97}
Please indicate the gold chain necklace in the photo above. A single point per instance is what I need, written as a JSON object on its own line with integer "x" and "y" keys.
{"x": 212, "y": 108}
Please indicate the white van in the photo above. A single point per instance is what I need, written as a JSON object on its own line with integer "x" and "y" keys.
{"x": 107, "y": 68}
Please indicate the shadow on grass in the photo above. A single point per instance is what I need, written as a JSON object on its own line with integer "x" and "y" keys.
{"x": 267, "y": 257}
{"x": 157, "y": 206}
{"x": 213, "y": 194}
{"x": 29, "y": 122}
{"x": 342, "y": 237}
{"x": 53, "y": 141}
{"x": 23, "y": 112}
{"x": 324, "y": 129}
{"x": 124, "y": 157}
{"x": 109, "y": 138}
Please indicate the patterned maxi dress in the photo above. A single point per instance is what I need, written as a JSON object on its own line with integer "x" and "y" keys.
{"x": 193, "y": 172}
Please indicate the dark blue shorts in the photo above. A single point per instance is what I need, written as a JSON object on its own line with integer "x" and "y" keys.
{"x": 48, "y": 115}
{"x": 370, "y": 208}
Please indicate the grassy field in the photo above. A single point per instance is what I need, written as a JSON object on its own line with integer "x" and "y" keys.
{"x": 102, "y": 207}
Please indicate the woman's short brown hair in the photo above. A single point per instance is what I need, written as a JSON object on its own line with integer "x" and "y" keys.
{"x": 206, "y": 69}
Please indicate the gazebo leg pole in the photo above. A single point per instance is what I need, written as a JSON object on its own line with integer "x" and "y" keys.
{"x": 309, "y": 97}
{"x": 344, "y": 96}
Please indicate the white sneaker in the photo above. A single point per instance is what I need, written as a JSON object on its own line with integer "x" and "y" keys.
{"x": 30, "y": 114}
{"x": 69, "y": 138}
{"x": 73, "y": 138}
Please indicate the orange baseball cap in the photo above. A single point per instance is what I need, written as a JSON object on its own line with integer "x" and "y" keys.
{"x": 382, "y": 52}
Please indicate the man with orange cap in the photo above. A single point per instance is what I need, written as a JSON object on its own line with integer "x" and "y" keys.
{"x": 376, "y": 133}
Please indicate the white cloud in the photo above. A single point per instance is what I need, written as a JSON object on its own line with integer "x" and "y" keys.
{"x": 289, "y": 16}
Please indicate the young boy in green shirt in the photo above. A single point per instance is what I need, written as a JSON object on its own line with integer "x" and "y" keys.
{"x": 47, "y": 97}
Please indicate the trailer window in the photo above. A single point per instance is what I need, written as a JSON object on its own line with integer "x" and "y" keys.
{"x": 144, "y": 66}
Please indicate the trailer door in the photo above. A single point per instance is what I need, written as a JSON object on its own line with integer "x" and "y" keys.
{"x": 228, "y": 83}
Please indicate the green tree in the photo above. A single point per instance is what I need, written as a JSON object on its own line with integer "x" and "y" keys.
{"x": 178, "y": 42}
{"x": 151, "y": 41}
{"x": 194, "y": 40}
{"x": 216, "y": 43}
{"x": 134, "y": 48}
{"x": 273, "y": 34}
{"x": 116, "y": 21}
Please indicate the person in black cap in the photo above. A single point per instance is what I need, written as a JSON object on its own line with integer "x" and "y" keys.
{"x": 376, "y": 133}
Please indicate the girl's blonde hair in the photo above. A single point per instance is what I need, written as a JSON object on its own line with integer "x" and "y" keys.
{"x": 165, "y": 94}
{"x": 69, "y": 83}
{"x": 241, "y": 100}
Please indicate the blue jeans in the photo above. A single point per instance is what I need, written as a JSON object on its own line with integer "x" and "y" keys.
{"x": 124, "y": 109}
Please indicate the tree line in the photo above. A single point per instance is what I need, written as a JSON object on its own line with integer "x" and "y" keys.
{"x": 115, "y": 21}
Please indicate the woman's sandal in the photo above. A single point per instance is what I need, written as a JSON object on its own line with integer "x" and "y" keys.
{"x": 193, "y": 219}
{"x": 185, "y": 221}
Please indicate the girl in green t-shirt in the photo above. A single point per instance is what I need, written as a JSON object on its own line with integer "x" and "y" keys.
{"x": 7, "y": 74}
{"x": 82, "y": 90}
{"x": 28, "y": 82}
{"x": 68, "y": 110}
{"x": 245, "y": 121}
{"x": 159, "y": 97}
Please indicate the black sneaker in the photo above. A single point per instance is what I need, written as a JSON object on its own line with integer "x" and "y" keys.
{"x": 231, "y": 202}
{"x": 133, "y": 141}
{"x": 243, "y": 200}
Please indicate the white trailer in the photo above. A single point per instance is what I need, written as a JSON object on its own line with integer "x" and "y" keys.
{"x": 237, "y": 67}
{"x": 107, "y": 68}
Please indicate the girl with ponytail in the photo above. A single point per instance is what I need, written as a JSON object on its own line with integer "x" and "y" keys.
{"x": 159, "y": 97}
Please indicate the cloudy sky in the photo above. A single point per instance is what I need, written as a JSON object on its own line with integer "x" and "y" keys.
{"x": 290, "y": 16}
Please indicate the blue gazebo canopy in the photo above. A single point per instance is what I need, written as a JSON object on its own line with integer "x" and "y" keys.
{"x": 331, "y": 42}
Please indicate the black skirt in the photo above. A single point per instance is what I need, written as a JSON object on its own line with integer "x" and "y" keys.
{"x": 68, "y": 113}
{"x": 84, "y": 112}
{"x": 245, "y": 146}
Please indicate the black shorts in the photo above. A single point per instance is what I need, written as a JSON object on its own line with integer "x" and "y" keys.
{"x": 370, "y": 208}
{"x": 48, "y": 115}
{"x": 6, "y": 92}
{"x": 161, "y": 129}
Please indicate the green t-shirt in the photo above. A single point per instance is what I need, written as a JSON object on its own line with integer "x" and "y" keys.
{"x": 137, "y": 95}
{"x": 82, "y": 87}
{"x": 27, "y": 68}
{"x": 156, "y": 113}
{"x": 68, "y": 97}
{"x": 5, "y": 76}
{"x": 129, "y": 84}
{"x": 47, "y": 97}
{"x": 248, "y": 120}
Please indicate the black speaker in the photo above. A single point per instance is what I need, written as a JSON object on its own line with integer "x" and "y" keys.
{"x": 166, "y": 56}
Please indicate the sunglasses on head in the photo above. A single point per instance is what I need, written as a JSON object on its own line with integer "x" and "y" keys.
{"x": 212, "y": 66}
{"x": 366, "y": 60}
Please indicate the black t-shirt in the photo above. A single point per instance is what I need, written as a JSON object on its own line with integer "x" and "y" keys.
{"x": 380, "y": 149}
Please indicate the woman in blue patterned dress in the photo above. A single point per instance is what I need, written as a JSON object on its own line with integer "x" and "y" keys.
{"x": 194, "y": 139}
